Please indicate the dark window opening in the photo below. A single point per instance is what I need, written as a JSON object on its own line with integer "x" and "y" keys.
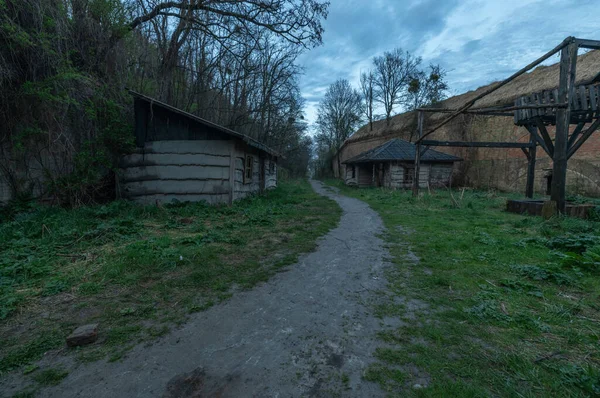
{"x": 248, "y": 169}
{"x": 353, "y": 171}
{"x": 409, "y": 174}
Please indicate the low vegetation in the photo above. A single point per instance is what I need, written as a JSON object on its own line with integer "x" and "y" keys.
{"x": 139, "y": 270}
{"x": 490, "y": 303}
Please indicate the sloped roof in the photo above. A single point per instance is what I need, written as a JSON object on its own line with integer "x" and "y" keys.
{"x": 248, "y": 140}
{"x": 400, "y": 150}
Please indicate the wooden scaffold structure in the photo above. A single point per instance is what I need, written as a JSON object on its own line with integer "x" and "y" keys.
{"x": 567, "y": 105}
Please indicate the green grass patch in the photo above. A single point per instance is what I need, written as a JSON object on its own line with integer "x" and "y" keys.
{"x": 137, "y": 269}
{"x": 498, "y": 304}
{"x": 50, "y": 377}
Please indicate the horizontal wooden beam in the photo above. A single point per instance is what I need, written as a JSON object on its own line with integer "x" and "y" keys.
{"x": 591, "y": 44}
{"x": 495, "y": 87}
{"x": 495, "y": 109}
{"x": 484, "y": 113}
{"x": 480, "y": 144}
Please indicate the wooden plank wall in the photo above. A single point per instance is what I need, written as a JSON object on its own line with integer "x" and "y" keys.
{"x": 241, "y": 190}
{"x": 396, "y": 176}
{"x": 347, "y": 168}
{"x": 440, "y": 175}
{"x": 433, "y": 175}
{"x": 364, "y": 175}
{"x": 270, "y": 174}
{"x": 183, "y": 170}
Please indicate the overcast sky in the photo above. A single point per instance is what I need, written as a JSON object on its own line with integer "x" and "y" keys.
{"x": 476, "y": 41}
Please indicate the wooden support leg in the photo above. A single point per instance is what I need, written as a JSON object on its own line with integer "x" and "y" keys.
{"x": 547, "y": 144}
{"x": 587, "y": 134}
{"x": 415, "y": 190}
{"x": 566, "y": 90}
{"x": 531, "y": 171}
{"x": 576, "y": 133}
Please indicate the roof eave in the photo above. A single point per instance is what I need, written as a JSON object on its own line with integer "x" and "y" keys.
{"x": 248, "y": 140}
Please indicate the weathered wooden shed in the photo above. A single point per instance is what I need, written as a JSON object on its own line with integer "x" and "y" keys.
{"x": 183, "y": 157}
{"x": 392, "y": 165}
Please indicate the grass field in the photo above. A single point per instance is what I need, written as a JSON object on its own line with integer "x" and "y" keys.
{"x": 139, "y": 270}
{"x": 497, "y": 304}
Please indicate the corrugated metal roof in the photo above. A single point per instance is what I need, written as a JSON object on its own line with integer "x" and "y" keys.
{"x": 248, "y": 140}
{"x": 400, "y": 150}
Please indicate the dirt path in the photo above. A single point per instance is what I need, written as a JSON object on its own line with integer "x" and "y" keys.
{"x": 303, "y": 333}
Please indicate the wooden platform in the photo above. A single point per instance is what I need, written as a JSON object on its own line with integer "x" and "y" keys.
{"x": 534, "y": 208}
{"x": 585, "y": 106}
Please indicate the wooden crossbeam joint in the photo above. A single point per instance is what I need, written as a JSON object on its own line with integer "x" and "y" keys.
{"x": 549, "y": 146}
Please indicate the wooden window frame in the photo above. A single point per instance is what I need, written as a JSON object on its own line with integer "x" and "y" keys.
{"x": 248, "y": 169}
{"x": 271, "y": 166}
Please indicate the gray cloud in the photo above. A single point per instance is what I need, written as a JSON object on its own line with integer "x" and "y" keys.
{"x": 477, "y": 41}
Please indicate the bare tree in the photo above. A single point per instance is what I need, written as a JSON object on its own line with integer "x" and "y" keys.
{"x": 393, "y": 72}
{"x": 338, "y": 115}
{"x": 231, "y": 23}
{"x": 427, "y": 88}
{"x": 297, "y": 21}
{"x": 367, "y": 82}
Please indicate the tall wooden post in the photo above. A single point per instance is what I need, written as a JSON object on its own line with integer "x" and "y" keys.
{"x": 415, "y": 188}
{"x": 531, "y": 167}
{"x": 373, "y": 175}
{"x": 566, "y": 91}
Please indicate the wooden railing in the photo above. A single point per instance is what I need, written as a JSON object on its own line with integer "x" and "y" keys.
{"x": 585, "y": 106}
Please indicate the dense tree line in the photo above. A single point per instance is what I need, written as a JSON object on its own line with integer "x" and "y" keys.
{"x": 397, "y": 82}
{"x": 65, "y": 115}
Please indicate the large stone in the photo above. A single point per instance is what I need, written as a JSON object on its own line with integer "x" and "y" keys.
{"x": 83, "y": 335}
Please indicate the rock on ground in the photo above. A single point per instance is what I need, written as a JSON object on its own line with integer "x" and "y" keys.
{"x": 83, "y": 335}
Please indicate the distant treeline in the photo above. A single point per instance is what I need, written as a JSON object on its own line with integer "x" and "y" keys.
{"x": 396, "y": 82}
